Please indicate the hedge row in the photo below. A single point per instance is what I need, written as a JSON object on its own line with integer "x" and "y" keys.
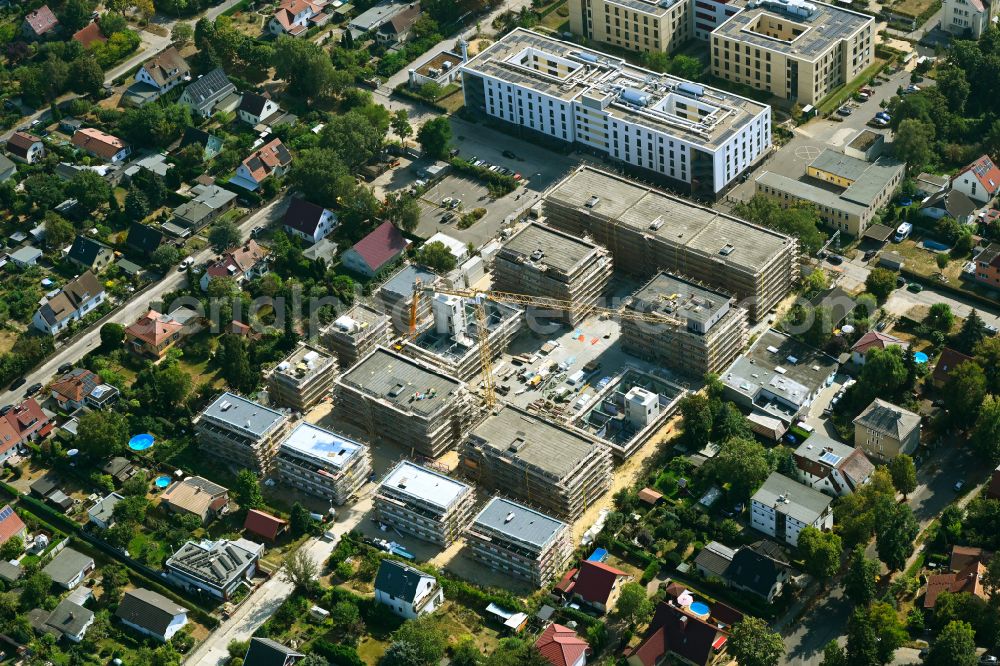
{"x": 342, "y": 655}
{"x": 507, "y": 184}
{"x": 48, "y": 514}
{"x": 403, "y": 90}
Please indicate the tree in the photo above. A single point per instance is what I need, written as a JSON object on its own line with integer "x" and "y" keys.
{"x": 743, "y": 463}
{"x": 436, "y": 256}
{"x": 821, "y": 552}
{"x": 300, "y": 570}
{"x": 89, "y": 189}
{"x": 634, "y": 607}
{"x": 169, "y": 384}
{"x": 729, "y": 423}
{"x": 164, "y": 257}
{"x": 307, "y": 67}
{"x": 697, "y": 419}
{"x": 234, "y": 361}
{"x": 223, "y": 235}
{"x": 136, "y": 205}
{"x": 434, "y": 137}
{"x": 102, "y": 435}
{"x": 987, "y": 355}
{"x": 895, "y": 532}
{"x": 113, "y": 578}
{"x": 86, "y": 76}
{"x": 953, "y": 84}
{"x": 247, "y": 490}
{"x": 401, "y": 125}
{"x": 402, "y": 210}
{"x": 12, "y": 548}
{"x": 904, "y": 474}
{"x": 883, "y": 374}
{"x": 880, "y": 283}
{"x": 862, "y": 643}
{"x": 859, "y": 581}
{"x": 800, "y": 220}
{"x": 890, "y": 634}
{"x": 44, "y": 190}
{"x": 182, "y": 33}
{"x": 34, "y": 590}
{"x": 314, "y": 659}
{"x": 965, "y": 393}
{"x": 423, "y": 640}
{"x": 986, "y": 433}
{"x": 299, "y": 521}
{"x": 75, "y": 14}
{"x": 58, "y": 231}
{"x": 752, "y": 643}
{"x": 972, "y": 333}
{"x": 356, "y": 136}
{"x": 323, "y": 175}
{"x": 940, "y": 318}
{"x": 954, "y": 646}
{"x": 112, "y": 336}
{"x": 834, "y": 655}
{"x": 913, "y": 143}
{"x": 686, "y": 67}
{"x": 131, "y": 510}
{"x": 516, "y": 652}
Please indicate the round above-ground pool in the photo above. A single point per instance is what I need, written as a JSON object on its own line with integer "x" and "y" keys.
{"x": 699, "y": 608}
{"x": 920, "y": 357}
{"x": 141, "y": 442}
{"x": 162, "y": 481}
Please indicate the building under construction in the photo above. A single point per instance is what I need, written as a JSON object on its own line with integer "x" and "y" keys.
{"x": 548, "y": 465}
{"x": 396, "y": 295}
{"x": 540, "y": 261}
{"x": 302, "y": 379}
{"x": 399, "y": 400}
{"x": 648, "y": 231}
{"x": 452, "y": 341}
{"x": 241, "y": 432}
{"x": 510, "y": 537}
{"x": 424, "y": 503}
{"x": 354, "y": 334}
{"x": 712, "y": 330}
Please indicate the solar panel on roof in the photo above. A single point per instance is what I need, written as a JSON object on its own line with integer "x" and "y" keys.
{"x": 830, "y": 458}
{"x": 6, "y": 513}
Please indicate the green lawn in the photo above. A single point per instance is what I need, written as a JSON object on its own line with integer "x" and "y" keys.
{"x": 846, "y": 92}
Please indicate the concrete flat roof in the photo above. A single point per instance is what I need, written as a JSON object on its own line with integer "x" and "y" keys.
{"x": 671, "y": 218}
{"x": 407, "y": 384}
{"x": 401, "y": 284}
{"x": 244, "y": 414}
{"x": 791, "y": 498}
{"x": 677, "y": 297}
{"x": 358, "y": 319}
{"x": 426, "y": 485}
{"x": 519, "y": 522}
{"x": 803, "y": 189}
{"x": 327, "y": 447}
{"x": 559, "y": 251}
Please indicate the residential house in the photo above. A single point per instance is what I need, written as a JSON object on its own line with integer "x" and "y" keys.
{"x": 240, "y": 264}
{"x": 968, "y": 19}
{"x": 143, "y": 239}
{"x": 830, "y": 466}
{"x": 25, "y": 256}
{"x": 154, "y": 334}
{"x": 884, "y": 430}
{"x": 295, "y": 17}
{"x": 68, "y": 568}
{"x": 25, "y": 147}
{"x": 7, "y": 169}
{"x": 210, "y": 144}
{"x": 271, "y": 159}
{"x": 216, "y": 568}
{"x": 89, "y": 35}
{"x": 967, "y": 580}
{"x": 946, "y": 363}
{"x": 100, "y": 144}
{"x": 102, "y": 514}
{"x": 208, "y": 204}
{"x": 783, "y": 507}
{"x": 308, "y": 221}
{"x": 375, "y": 251}
{"x": 196, "y": 496}
{"x": 264, "y": 525}
{"x": 71, "y": 390}
{"x": 10, "y": 573}
{"x": 210, "y": 93}
{"x": 254, "y": 108}
{"x": 39, "y": 23}
{"x": 68, "y": 620}
{"x": 157, "y": 76}
{"x": 561, "y": 646}
{"x": 11, "y": 525}
{"x": 676, "y": 633}
{"x": 761, "y": 568}
{"x": 874, "y": 340}
{"x": 950, "y": 203}
{"x": 265, "y": 652}
{"x": 79, "y": 296}
{"x": 151, "y": 613}
{"x": 980, "y": 181}
{"x": 398, "y": 27}
{"x": 119, "y": 469}
{"x": 90, "y": 254}
{"x": 371, "y": 20}
{"x": 595, "y": 584}
{"x": 963, "y": 556}
{"x": 28, "y": 422}
{"x": 408, "y": 592}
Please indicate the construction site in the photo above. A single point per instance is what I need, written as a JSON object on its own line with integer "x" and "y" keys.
{"x": 354, "y": 334}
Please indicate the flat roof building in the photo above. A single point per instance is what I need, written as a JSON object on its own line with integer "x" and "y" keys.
{"x": 302, "y": 379}
{"x": 793, "y": 49}
{"x": 354, "y": 334}
{"x": 711, "y": 333}
{"x": 666, "y": 24}
{"x": 783, "y": 507}
{"x": 399, "y": 400}
{"x": 696, "y": 138}
{"x": 216, "y": 568}
{"x": 551, "y": 466}
{"x": 241, "y": 432}
{"x": 647, "y": 230}
{"x": 513, "y": 539}
{"x": 323, "y": 463}
{"x": 424, "y": 503}
{"x": 846, "y": 191}
{"x": 396, "y": 295}
{"x": 541, "y": 261}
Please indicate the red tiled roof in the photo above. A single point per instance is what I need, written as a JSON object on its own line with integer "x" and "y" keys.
{"x": 242, "y": 259}
{"x": 876, "y": 339}
{"x": 97, "y": 142}
{"x": 153, "y": 328}
{"x": 9, "y": 437}
{"x": 10, "y": 524}
{"x": 596, "y": 580}
{"x": 27, "y": 418}
{"x": 41, "y": 20}
{"x": 269, "y": 157}
{"x": 76, "y": 385}
{"x": 560, "y": 645}
{"x": 970, "y": 580}
{"x": 90, "y": 34}
{"x": 264, "y": 524}
{"x": 568, "y": 582}
{"x": 650, "y": 496}
{"x": 20, "y": 143}
{"x": 985, "y": 171}
{"x": 950, "y": 358}
{"x": 381, "y": 246}
{"x": 964, "y": 556}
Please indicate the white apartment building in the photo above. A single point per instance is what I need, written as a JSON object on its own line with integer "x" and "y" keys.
{"x": 323, "y": 463}
{"x": 783, "y": 507}
{"x": 968, "y": 19}
{"x": 692, "y": 137}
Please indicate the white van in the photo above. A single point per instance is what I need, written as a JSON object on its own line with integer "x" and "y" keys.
{"x": 575, "y": 378}
{"x": 187, "y": 262}
{"x": 902, "y": 232}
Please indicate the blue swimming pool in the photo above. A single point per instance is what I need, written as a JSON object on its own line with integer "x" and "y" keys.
{"x": 699, "y": 608}
{"x": 920, "y": 357}
{"x": 141, "y": 442}
{"x": 162, "y": 481}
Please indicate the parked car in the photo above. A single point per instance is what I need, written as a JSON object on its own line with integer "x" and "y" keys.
{"x": 883, "y": 115}
{"x": 914, "y": 287}
{"x": 447, "y": 217}
{"x": 900, "y": 282}
{"x": 32, "y": 390}
{"x": 17, "y": 383}
{"x": 869, "y": 255}
{"x": 64, "y": 368}
{"x": 5, "y": 409}
{"x": 835, "y": 260}
{"x": 845, "y": 111}
{"x": 990, "y": 329}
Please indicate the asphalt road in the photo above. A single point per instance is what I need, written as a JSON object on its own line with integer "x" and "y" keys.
{"x": 127, "y": 312}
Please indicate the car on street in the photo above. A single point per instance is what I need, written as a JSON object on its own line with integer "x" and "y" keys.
{"x": 991, "y": 330}
{"x": 915, "y": 288}
{"x": 17, "y": 383}
{"x": 509, "y": 155}
{"x": 256, "y": 231}
{"x": 835, "y": 260}
{"x": 845, "y": 111}
{"x": 32, "y": 390}
{"x": 64, "y": 368}
{"x": 183, "y": 266}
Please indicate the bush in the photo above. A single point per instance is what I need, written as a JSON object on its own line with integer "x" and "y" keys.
{"x": 649, "y": 573}
{"x": 342, "y": 655}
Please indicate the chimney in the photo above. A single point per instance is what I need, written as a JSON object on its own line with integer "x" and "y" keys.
{"x": 464, "y": 45}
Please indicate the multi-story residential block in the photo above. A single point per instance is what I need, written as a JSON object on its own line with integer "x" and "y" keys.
{"x": 542, "y": 261}
{"x": 241, "y": 432}
{"x": 323, "y": 463}
{"x": 793, "y": 49}
{"x": 884, "y": 430}
{"x": 712, "y": 331}
{"x": 559, "y": 469}
{"x": 847, "y": 192}
{"x": 397, "y": 292}
{"x": 648, "y": 231}
{"x": 355, "y": 334}
{"x": 636, "y": 25}
{"x": 783, "y": 507}
{"x": 302, "y": 379}
{"x": 515, "y": 540}
{"x": 968, "y": 19}
{"x": 831, "y": 466}
{"x": 988, "y": 265}
{"x": 402, "y": 401}
{"x": 424, "y": 503}
{"x": 695, "y": 138}
{"x": 216, "y": 568}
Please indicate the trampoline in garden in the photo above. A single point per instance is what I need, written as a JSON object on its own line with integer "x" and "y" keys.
{"x": 141, "y": 442}
{"x": 920, "y": 357}
{"x": 162, "y": 481}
